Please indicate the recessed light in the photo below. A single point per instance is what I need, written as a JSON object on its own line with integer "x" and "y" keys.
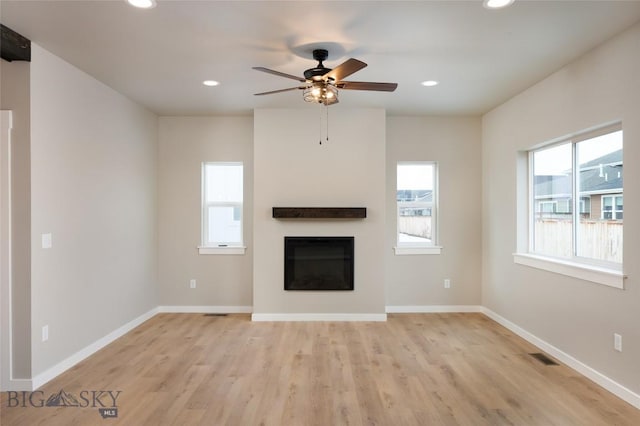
{"x": 210, "y": 83}
{"x": 142, "y": 4}
{"x": 497, "y": 4}
{"x": 429, "y": 83}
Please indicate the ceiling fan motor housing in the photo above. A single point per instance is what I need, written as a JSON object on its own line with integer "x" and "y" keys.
{"x": 316, "y": 73}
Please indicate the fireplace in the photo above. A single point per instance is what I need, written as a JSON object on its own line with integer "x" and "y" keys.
{"x": 318, "y": 263}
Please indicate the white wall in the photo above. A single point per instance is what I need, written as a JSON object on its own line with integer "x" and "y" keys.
{"x": 575, "y": 316}
{"x": 6, "y": 124}
{"x": 185, "y": 143}
{"x": 226, "y": 282}
{"x": 418, "y": 280}
{"x": 293, "y": 170}
{"x": 93, "y": 186}
{"x": 15, "y": 88}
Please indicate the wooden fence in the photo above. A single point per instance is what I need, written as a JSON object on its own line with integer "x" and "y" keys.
{"x": 597, "y": 239}
{"x": 418, "y": 226}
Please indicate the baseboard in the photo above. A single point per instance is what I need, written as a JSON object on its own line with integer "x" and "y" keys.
{"x": 19, "y": 385}
{"x": 612, "y": 386}
{"x": 319, "y": 317}
{"x": 206, "y": 309}
{"x": 69, "y": 362}
{"x": 427, "y": 309}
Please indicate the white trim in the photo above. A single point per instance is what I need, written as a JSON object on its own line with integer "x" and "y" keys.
{"x": 222, "y": 250}
{"x": 428, "y": 309}
{"x": 603, "y": 192}
{"x": 319, "y": 317}
{"x": 6, "y": 338}
{"x": 94, "y": 347}
{"x": 206, "y": 309}
{"x": 600, "y": 275}
{"x": 403, "y": 251}
{"x": 18, "y": 385}
{"x": 612, "y": 386}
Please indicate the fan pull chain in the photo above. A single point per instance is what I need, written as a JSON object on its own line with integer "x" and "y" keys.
{"x": 327, "y": 108}
{"x": 327, "y": 123}
{"x": 320, "y": 129}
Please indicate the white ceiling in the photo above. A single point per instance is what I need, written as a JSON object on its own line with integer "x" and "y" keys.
{"x": 159, "y": 57}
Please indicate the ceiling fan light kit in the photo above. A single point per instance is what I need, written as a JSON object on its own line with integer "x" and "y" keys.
{"x": 321, "y": 93}
{"x": 321, "y": 84}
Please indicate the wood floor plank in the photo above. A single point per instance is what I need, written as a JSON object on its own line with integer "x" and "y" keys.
{"x": 414, "y": 369}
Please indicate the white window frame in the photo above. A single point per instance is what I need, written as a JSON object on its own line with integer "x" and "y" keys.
{"x": 219, "y": 247}
{"x": 606, "y": 273}
{"x": 420, "y": 248}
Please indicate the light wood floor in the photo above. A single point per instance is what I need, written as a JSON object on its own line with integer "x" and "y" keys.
{"x": 415, "y": 369}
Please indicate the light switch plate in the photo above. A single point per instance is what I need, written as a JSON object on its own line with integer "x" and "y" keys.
{"x": 47, "y": 241}
{"x": 617, "y": 342}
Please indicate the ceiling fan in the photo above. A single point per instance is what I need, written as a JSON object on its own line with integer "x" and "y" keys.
{"x": 321, "y": 84}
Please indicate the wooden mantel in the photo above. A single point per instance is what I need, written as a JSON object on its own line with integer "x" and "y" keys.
{"x": 13, "y": 46}
{"x": 319, "y": 212}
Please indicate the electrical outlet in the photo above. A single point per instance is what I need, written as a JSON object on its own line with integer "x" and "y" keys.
{"x": 192, "y": 283}
{"x": 447, "y": 283}
{"x": 617, "y": 342}
{"x": 45, "y": 333}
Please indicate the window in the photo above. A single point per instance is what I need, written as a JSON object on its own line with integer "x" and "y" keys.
{"x": 576, "y": 188}
{"x": 611, "y": 207}
{"x": 416, "y": 197}
{"x": 222, "y": 201}
{"x": 547, "y": 206}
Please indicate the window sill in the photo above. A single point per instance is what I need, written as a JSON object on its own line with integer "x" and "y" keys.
{"x": 405, "y": 251}
{"x": 599, "y": 275}
{"x": 222, "y": 250}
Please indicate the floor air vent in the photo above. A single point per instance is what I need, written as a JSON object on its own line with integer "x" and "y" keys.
{"x": 543, "y": 359}
{"x": 215, "y": 315}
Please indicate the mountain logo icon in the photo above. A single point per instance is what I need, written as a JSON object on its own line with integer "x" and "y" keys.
{"x": 62, "y": 399}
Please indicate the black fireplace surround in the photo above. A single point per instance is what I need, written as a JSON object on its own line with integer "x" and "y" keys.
{"x": 318, "y": 263}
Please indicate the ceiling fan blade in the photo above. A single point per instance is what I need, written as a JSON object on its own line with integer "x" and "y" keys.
{"x": 280, "y": 91}
{"x": 367, "y": 85}
{"x": 281, "y": 74}
{"x": 345, "y": 69}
